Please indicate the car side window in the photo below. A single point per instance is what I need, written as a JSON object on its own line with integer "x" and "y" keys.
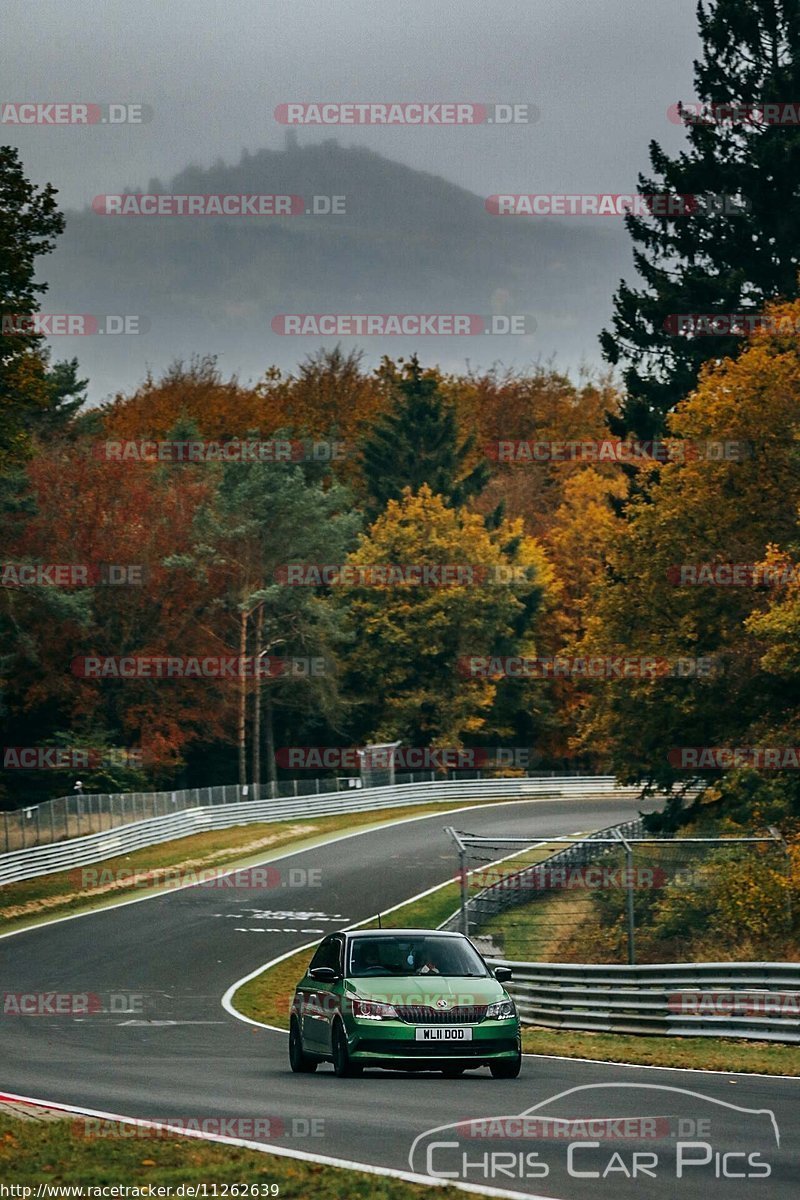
{"x": 327, "y": 955}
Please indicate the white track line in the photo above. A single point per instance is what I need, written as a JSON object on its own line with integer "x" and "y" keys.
{"x": 280, "y": 1151}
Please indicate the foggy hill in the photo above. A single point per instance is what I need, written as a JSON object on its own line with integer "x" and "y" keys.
{"x": 409, "y": 241}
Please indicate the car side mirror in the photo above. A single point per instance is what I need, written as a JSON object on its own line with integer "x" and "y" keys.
{"x": 503, "y": 974}
{"x": 323, "y": 974}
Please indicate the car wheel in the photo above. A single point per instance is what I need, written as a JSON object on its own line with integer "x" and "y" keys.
{"x": 299, "y": 1061}
{"x": 506, "y": 1068}
{"x": 343, "y": 1065}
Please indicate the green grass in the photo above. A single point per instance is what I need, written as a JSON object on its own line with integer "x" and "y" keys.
{"x": 527, "y": 932}
{"x": 531, "y": 932}
{"x": 710, "y": 1054}
{"x": 60, "y": 893}
{"x": 268, "y": 996}
{"x": 59, "y": 1153}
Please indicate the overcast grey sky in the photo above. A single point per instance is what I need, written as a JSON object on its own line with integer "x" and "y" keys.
{"x": 602, "y": 74}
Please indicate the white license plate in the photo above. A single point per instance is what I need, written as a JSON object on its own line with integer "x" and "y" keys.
{"x": 444, "y": 1033}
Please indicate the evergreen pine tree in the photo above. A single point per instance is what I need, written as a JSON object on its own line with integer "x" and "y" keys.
{"x": 725, "y": 260}
{"x": 417, "y": 442}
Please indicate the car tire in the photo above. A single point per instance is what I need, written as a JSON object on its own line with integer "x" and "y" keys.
{"x": 300, "y": 1062}
{"x": 343, "y": 1065}
{"x": 507, "y": 1068}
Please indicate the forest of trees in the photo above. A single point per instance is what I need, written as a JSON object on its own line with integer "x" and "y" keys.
{"x": 661, "y": 585}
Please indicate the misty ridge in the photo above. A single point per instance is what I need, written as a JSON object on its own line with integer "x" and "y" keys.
{"x": 408, "y": 242}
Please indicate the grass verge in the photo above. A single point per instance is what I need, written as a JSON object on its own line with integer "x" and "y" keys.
{"x": 59, "y": 1153}
{"x": 157, "y": 868}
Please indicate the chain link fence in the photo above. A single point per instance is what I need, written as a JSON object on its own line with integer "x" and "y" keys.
{"x": 619, "y": 895}
{"x": 77, "y": 815}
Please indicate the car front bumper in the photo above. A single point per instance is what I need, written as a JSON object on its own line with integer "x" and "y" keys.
{"x": 395, "y": 1042}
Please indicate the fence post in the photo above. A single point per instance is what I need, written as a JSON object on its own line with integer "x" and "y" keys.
{"x": 462, "y": 873}
{"x": 629, "y": 898}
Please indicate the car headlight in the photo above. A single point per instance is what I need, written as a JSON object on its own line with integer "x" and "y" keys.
{"x": 501, "y": 1010}
{"x": 371, "y": 1010}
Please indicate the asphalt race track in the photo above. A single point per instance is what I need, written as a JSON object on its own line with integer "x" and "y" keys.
{"x": 178, "y": 1054}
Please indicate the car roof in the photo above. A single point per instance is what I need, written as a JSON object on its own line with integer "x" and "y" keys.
{"x": 446, "y": 933}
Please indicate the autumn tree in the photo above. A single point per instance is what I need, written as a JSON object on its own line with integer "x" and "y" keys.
{"x": 523, "y": 425}
{"x": 193, "y": 393}
{"x": 724, "y": 506}
{"x": 84, "y": 511}
{"x": 404, "y": 669}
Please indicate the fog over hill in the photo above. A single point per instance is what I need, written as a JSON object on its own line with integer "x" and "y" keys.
{"x": 408, "y": 242}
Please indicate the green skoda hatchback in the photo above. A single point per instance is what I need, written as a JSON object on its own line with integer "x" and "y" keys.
{"x": 403, "y": 999}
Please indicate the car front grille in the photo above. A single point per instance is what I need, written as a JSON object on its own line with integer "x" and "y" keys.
{"x": 460, "y": 1014}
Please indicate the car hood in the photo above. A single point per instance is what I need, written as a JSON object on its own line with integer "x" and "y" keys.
{"x": 427, "y": 989}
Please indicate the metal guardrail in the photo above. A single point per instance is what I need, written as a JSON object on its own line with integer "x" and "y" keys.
{"x": 83, "y": 851}
{"x": 733, "y": 1000}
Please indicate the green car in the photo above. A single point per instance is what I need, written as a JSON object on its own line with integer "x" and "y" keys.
{"x": 407, "y": 999}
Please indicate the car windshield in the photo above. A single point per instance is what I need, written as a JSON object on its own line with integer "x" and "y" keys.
{"x": 409, "y": 955}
